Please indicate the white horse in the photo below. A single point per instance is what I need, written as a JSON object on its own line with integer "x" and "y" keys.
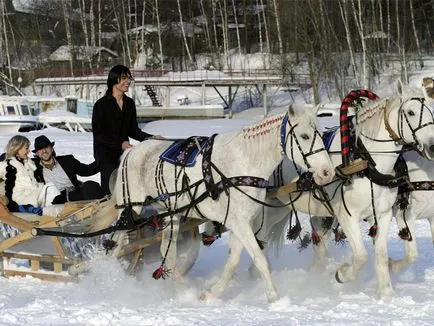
{"x": 409, "y": 121}
{"x": 420, "y": 206}
{"x": 234, "y": 161}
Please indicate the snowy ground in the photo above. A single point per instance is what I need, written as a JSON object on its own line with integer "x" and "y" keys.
{"x": 107, "y": 296}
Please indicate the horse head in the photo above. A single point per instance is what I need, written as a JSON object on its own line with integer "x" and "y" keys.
{"x": 302, "y": 143}
{"x": 415, "y": 121}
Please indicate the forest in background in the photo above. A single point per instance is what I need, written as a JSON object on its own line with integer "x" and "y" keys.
{"x": 334, "y": 38}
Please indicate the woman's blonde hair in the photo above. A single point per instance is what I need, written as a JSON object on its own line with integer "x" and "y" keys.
{"x": 15, "y": 144}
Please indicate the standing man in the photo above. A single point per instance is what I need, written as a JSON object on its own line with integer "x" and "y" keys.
{"x": 62, "y": 171}
{"x": 114, "y": 120}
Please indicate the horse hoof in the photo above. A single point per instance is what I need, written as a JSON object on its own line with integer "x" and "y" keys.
{"x": 204, "y": 297}
{"x": 273, "y": 298}
{"x": 337, "y": 277}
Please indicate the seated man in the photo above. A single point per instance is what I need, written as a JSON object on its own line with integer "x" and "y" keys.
{"x": 63, "y": 171}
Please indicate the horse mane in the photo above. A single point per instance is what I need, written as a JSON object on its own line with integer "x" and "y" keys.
{"x": 299, "y": 115}
{"x": 370, "y": 117}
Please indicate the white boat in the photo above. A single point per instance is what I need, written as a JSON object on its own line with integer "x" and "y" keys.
{"x": 15, "y": 115}
{"x": 46, "y": 104}
{"x": 68, "y": 113}
{"x": 65, "y": 120}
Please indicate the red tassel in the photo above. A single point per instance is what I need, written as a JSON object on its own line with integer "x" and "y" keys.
{"x": 404, "y": 234}
{"x": 208, "y": 240}
{"x": 315, "y": 238}
{"x": 373, "y": 231}
{"x": 160, "y": 272}
{"x": 339, "y": 235}
{"x": 155, "y": 224}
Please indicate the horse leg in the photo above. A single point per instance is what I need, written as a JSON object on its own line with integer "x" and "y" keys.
{"x": 244, "y": 234}
{"x": 186, "y": 260}
{"x": 320, "y": 248}
{"x": 168, "y": 249}
{"x": 431, "y": 223}
{"x": 384, "y": 283}
{"x": 349, "y": 271}
{"x": 272, "y": 233}
{"x": 410, "y": 250}
{"x": 235, "y": 249}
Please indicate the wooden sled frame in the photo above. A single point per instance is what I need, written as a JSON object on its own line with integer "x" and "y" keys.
{"x": 60, "y": 261}
{"x": 61, "y": 266}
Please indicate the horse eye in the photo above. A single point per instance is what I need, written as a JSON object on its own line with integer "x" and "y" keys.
{"x": 410, "y": 113}
{"x": 304, "y": 136}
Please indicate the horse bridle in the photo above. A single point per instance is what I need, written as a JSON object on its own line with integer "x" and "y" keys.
{"x": 419, "y": 127}
{"x": 284, "y": 139}
{"x": 398, "y": 138}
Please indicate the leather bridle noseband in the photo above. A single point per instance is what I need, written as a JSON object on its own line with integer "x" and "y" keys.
{"x": 284, "y": 139}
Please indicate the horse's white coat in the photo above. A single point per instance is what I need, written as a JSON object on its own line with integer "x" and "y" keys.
{"x": 357, "y": 194}
{"x": 421, "y": 205}
{"x": 254, "y": 151}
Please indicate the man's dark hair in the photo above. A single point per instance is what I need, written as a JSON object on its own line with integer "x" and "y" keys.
{"x": 115, "y": 75}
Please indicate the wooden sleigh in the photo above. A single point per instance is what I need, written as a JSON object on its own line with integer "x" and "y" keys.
{"x": 47, "y": 258}
{"x": 59, "y": 258}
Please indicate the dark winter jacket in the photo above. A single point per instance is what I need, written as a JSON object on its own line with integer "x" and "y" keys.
{"x": 71, "y": 166}
{"x": 112, "y": 126}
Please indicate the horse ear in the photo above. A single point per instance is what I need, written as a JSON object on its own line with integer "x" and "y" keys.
{"x": 291, "y": 110}
{"x": 400, "y": 87}
{"x": 315, "y": 109}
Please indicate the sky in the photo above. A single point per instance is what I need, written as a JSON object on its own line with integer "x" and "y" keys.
{"x": 106, "y": 295}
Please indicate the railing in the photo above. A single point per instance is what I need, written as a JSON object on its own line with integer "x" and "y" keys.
{"x": 83, "y": 72}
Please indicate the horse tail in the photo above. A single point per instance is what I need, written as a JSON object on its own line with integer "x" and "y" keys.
{"x": 277, "y": 232}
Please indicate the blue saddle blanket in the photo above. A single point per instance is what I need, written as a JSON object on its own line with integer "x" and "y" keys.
{"x": 184, "y": 152}
{"x": 328, "y": 136}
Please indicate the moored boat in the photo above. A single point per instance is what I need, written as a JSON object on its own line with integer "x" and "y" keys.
{"x": 15, "y": 115}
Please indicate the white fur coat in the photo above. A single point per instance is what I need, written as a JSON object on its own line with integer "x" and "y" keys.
{"x": 26, "y": 190}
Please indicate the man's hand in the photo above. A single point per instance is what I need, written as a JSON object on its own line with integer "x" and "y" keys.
{"x": 125, "y": 145}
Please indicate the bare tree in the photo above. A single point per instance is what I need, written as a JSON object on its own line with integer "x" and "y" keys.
{"x": 184, "y": 36}
{"x": 416, "y": 37}
{"x": 5, "y": 37}
{"x": 389, "y": 22}
{"x": 358, "y": 18}
{"x": 344, "y": 14}
{"x": 261, "y": 45}
{"x": 205, "y": 25}
{"x": 157, "y": 14}
{"x": 224, "y": 28}
{"x": 279, "y": 34}
{"x": 127, "y": 38}
{"x": 238, "y": 31}
{"x": 401, "y": 47}
{"x": 214, "y": 23}
{"x": 267, "y": 38}
{"x": 66, "y": 7}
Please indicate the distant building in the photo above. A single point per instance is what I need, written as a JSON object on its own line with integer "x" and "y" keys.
{"x": 82, "y": 53}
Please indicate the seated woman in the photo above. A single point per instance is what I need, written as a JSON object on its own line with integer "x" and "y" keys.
{"x": 25, "y": 194}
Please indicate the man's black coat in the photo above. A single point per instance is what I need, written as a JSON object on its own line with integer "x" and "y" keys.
{"x": 72, "y": 168}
